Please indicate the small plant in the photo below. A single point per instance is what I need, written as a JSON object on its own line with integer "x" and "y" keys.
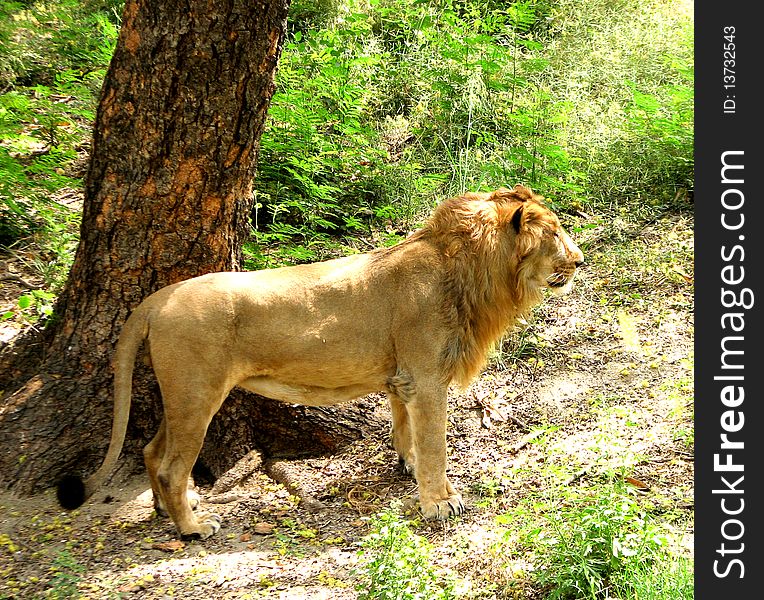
{"x": 395, "y": 563}
{"x": 597, "y": 542}
{"x": 35, "y": 306}
{"x": 66, "y": 575}
{"x": 488, "y": 487}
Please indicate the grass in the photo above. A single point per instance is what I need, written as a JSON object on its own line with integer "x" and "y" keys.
{"x": 671, "y": 579}
{"x": 599, "y": 539}
{"x": 395, "y": 563}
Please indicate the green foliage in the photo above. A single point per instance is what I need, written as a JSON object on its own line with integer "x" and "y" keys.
{"x": 388, "y": 106}
{"x": 395, "y": 563}
{"x": 621, "y": 75}
{"x": 588, "y": 544}
{"x": 67, "y": 573}
{"x": 39, "y": 40}
{"x": 305, "y": 15}
{"x": 36, "y": 305}
{"x": 320, "y": 165}
{"x": 384, "y": 107}
{"x": 670, "y": 579}
{"x": 53, "y": 58}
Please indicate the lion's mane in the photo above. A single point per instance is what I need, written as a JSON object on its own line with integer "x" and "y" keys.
{"x": 487, "y": 284}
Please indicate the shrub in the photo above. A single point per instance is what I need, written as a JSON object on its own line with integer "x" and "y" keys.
{"x": 395, "y": 563}
{"x": 591, "y": 543}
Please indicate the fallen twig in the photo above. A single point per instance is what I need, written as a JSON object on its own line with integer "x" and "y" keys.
{"x": 22, "y": 282}
{"x": 523, "y": 442}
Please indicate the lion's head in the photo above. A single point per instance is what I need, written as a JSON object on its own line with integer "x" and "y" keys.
{"x": 546, "y": 254}
{"x": 503, "y": 249}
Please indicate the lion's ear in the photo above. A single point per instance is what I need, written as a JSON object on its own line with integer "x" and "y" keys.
{"x": 522, "y": 193}
{"x": 517, "y": 218}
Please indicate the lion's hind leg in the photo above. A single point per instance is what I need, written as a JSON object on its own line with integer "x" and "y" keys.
{"x": 152, "y": 457}
{"x": 190, "y": 404}
{"x": 153, "y": 454}
{"x": 184, "y": 441}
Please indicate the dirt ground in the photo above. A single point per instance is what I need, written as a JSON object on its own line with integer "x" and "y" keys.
{"x": 611, "y": 360}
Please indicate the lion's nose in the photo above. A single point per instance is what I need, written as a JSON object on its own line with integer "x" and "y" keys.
{"x": 575, "y": 255}
{"x": 578, "y": 257}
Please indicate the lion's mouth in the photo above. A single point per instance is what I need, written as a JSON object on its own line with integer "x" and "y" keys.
{"x": 560, "y": 283}
{"x": 557, "y": 280}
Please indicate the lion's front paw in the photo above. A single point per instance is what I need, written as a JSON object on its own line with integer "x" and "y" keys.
{"x": 207, "y": 525}
{"x": 443, "y": 509}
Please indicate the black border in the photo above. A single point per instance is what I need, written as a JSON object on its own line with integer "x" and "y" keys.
{"x": 715, "y": 133}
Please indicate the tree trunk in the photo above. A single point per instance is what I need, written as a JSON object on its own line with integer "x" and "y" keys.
{"x": 167, "y": 197}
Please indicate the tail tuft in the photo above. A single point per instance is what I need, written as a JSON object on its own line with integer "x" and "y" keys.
{"x": 71, "y": 492}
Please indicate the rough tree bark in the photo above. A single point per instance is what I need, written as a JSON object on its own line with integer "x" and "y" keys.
{"x": 167, "y": 197}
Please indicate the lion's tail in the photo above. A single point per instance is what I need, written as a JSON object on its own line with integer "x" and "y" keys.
{"x": 72, "y": 490}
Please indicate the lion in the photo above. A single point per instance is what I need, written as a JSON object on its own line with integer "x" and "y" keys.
{"x": 407, "y": 320}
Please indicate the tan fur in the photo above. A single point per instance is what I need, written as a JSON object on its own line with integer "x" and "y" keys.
{"x": 407, "y": 320}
